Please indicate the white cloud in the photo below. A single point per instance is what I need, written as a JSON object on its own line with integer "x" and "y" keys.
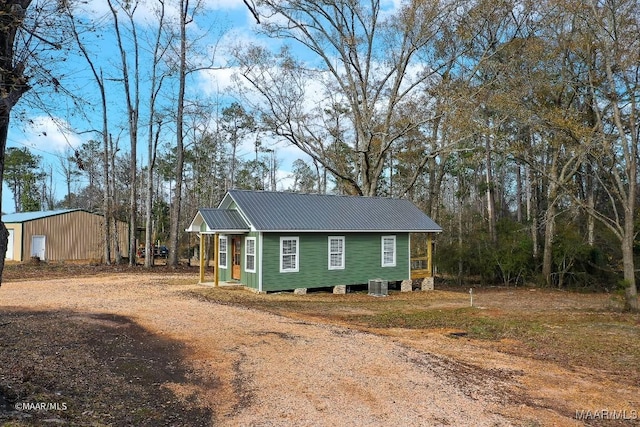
{"x": 50, "y": 135}
{"x": 284, "y": 180}
{"x": 215, "y": 82}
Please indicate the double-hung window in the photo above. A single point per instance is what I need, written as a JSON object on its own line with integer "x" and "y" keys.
{"x": 222, "y": 252}
{"x": 250, "y": 254}
{"x": 289, "y": 254}
{"x": 336, "y": 252}
{"x": 388, "y": 251}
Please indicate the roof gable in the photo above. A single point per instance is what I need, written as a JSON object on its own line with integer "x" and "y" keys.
{"x": 223, "y": 220}
{"x": 283, "y": 211}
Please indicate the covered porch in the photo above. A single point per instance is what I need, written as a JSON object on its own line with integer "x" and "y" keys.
{"x": 217, "y": 222}
{"x": 421, "y": 264}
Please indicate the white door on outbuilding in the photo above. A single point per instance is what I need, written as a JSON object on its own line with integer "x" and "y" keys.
{"x": 38, "y": 247}
{"x": 9, "y": 254}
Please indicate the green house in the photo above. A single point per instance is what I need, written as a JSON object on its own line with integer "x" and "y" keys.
{"x": 273, "y": 241}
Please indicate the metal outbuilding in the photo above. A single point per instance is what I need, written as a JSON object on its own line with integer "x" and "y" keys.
{"x": 59, "y": 235}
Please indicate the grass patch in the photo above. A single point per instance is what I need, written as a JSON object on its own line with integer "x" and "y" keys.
{"x": 477, "y": 323}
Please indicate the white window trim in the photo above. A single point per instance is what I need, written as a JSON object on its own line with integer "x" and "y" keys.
{"x": 342, "y": 257}
{"x": 247, "y": 254}
{"x": 296, "y": 268}
{"x": 225, "y": 252}
{"x": 395, "y": 250}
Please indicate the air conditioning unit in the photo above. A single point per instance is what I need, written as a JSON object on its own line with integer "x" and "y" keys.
{"x": 378, "y": 287}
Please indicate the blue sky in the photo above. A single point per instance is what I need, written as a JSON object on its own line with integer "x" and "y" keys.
{"x": 55, "y": 133}
{"x": 51, "y": 135}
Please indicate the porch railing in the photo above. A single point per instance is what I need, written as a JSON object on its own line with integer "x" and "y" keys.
{"x": 420, "y": 268}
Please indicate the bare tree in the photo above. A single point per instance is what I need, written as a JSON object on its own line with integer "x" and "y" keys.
{"x": 235, "y": 125}
{"x": 373, "y": 65}
{"x": 154, "y": 128}
{"x": 185, "y": 19}
{"x": 186, "y": 63}
{"x": 25, "y": 34}
{"x": 12, "y": 77}
{"x": 131, "y": 83}
{"x": 612, "y": 49}
{"x": 104, "y": 133}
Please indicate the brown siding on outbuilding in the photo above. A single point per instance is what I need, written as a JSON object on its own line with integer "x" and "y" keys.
{"x": 74, "y": 235}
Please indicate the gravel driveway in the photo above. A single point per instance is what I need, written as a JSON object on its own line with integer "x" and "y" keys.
{"x": 268, "y": 370}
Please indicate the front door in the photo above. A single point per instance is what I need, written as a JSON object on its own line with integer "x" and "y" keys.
{"x": 235, "y": 258}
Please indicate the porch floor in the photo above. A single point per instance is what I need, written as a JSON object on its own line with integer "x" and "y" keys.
{"x": 222, "y": 284}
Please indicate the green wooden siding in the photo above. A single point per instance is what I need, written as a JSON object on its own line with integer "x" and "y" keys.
{"x": 363, "y": 261}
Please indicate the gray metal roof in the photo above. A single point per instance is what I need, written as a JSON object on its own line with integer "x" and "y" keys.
{"x": 31, "y": 216}
{"x": 282, "y": 211}
{"x": 224, "y": 220}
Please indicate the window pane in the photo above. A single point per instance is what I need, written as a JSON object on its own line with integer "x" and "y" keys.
{"x": 336, "y": 260}
{"x": 288, "y": 262}
{"x": 288, "y": 246}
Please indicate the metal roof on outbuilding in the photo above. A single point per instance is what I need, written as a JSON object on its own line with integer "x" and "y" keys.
{"x": 32, "y": 216}
{"x": 283, "y": 211}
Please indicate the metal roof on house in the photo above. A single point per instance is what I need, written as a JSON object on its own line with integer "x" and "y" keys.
{"x": 224, "y": 220}
{"x": 283, "y": 211}
{"x": 32, "y": 216}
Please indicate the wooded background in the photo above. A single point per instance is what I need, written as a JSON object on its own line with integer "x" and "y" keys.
{"x": 513, "y": 124}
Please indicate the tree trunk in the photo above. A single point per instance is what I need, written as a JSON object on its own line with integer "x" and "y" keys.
{"x": 4, "y": 233}
{"x": 628, "y": 262}
{"x": 14, "y": 85}
{"x": 175, "y": 212}
{"x": 518, "y": 193}
{"x": 491, "y": 204}
{"x": 591, "y": 205}
{"x": 106, "y": 203}
{"x": 152, "y": 147}
{"x": 549, "y": 223}
{"x": 460, "y": 239}
{"x": 112, "y": 183}
{"x": 631, "y": 290}
{"x": 148, "y": 260}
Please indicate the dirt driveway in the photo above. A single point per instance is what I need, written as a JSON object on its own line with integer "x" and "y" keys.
{"x": 261, "y": 369}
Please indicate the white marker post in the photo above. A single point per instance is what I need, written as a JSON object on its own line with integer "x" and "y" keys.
{"x": 471, "y": 296}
